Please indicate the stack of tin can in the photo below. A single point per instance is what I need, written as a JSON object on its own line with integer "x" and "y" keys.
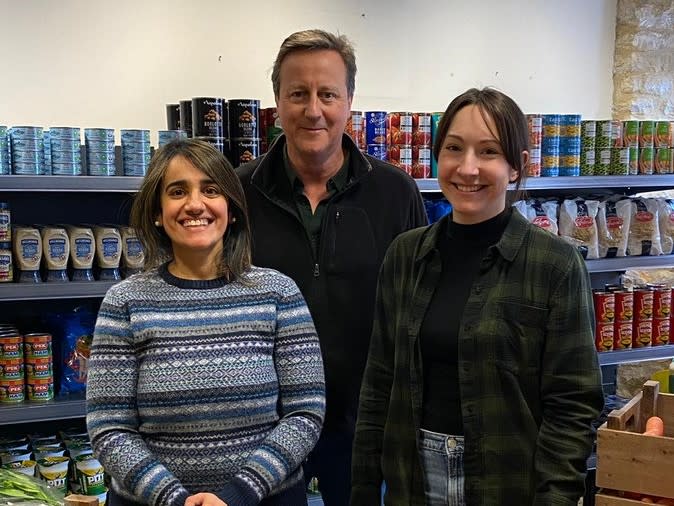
{"x": 602, "y": 143}
{"x": 376, "y": 134}
{"x": 27, "y": 149}
{"x": 435, "y": 123}
{"x": 39, "y": 367}
{"x": 620, "y": 153}
{"x": 604, "y": 311}
{"x": 535, "y": 123}
{"x": 270, "y": 128}
{"x": 100, "y": 151}
{"x": 624, "y": 317}
{"x": 662, "y": 311}
{"x": 136, "y": 152}
{"x": 11, "y": 365}
{"x": 588, "y": 138}
{"x": 185, "y": 116}
{"x": 63, "y": 151}
{"x": 355, "y": 128}
{"x": 421, "y": 145}
{"x": 569, "y": 145}
{"x": 6, "y": 268}
{"x": 550, "y": 145}
{"x": 166, "y": 136}
{"x": 642, "y": 328}
{"x": 399, "y": 140}
{"x": 4, "y": 151}
{"x": 244, "y": 129}
{"x": 209, "y": 122}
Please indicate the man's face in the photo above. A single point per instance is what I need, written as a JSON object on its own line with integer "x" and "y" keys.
{"x": 313, "y": 104}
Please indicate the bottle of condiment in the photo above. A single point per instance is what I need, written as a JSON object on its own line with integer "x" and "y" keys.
{"x": 55, "y": 251}
{"x": 133, "y": 256}
{"x": 108, "y": 252}
{"x": 27, "y": 246}
{"x": 6, "y": 269}
{"x": 5, "y": 223}
{"x": 82, "y": 251}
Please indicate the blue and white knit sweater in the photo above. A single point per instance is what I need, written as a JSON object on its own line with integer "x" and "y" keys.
{"x": 199, "y": 386}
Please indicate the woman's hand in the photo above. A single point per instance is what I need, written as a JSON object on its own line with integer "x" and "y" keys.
{"x": 204, "y": 499}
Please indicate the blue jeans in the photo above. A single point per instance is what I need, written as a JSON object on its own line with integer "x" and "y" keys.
{"x": 442, "y": 462}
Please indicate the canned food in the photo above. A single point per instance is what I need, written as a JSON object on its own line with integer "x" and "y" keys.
{"x": 5, "y": 222}
{"x": 135, "y": 136}
{"x": 39, "y": 368}
{"x": 634, "y": 161}
{"x": 66, "y": 169}
{"x": 631, "y": 133}
{"x": 244, "y": 150}
{"x": 421, "y": 162}
{"x": 377, "y": 151}
{"x": 244, "y": 119}
{"x": 6, "y": 265}
{"x": 646, "y": 155}
{"x": 26, "y": 132}
{"x": 660, "y": 331}
{"x": 173, "y": 116}
{"x": 400, "y": 156}
{"x": 399, "y": 128}
{"x": 620, "y": 161}
{"x": 11, "y": 369}
{"x": 569, "y": 125}
{"x": 642, "y": 333}
{"x": 643, "y": 304}
{"x": 587, "y": 162}
{"x": 37, "y": 345}
{"x": 646, "y": 133}
{"x": 11, "y": 391}
{"x": 65, "y": 134}
{"x": 603, "y": 137}
{"x": 39, "y": 390}
{"x": 375, "y": 127}
{"x": 355, "y": 128}
{"x": 186, "y": 116}
{"x": 616, "y": 134}
{"x": 604, "y": 336}
{"x": 11, "y": 346}
{"x": 622, "y": 335}
{"x": 101, "y": 157}
{"x": 604, "y": 306}
{"x": 662, "y": 301}
{"x": 551, "y": 125}
{"x": 663, "y": 161}
{"x": 663, "y": 134}
{"x": 99, "y": 135}
{"x": 588, "y": 134}
{"x": 421, "y": 129}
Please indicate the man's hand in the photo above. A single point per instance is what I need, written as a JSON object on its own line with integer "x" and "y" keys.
{"x": 204, "y": 499}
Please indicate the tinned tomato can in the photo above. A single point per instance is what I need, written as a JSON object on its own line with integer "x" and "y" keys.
{"x": 399, "y": 128}
{"x": 421, "y": 129}
{"x": 662, "y": 301}
{"x": 642, "y": 329}
{"x": 421, "y": 162}
{"x": 604, "y": 333}
{"x": 401, "y": 156}
{"x": 355, "y": 128}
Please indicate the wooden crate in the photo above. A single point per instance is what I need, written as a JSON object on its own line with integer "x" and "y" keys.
{"x": 630, "y": 461}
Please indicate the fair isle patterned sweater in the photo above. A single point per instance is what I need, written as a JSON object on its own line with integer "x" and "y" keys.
{"x": 204, "y": 386}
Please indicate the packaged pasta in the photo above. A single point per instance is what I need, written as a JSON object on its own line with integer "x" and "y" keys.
{"x": 613, "y": 224}
{"x": 644, "y": 236}
{"x": 539, "y": 212}
{"x": 666, "y": 223}
{"x": 578, "y": 225}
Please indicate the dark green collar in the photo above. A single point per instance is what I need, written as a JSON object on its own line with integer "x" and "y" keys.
{"x": 336, "y": 183}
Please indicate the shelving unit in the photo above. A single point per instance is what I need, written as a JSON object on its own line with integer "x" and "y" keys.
{"x": 102, "y": 190}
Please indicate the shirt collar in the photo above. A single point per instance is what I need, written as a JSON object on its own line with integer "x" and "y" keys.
{"x": 336, "y": 183}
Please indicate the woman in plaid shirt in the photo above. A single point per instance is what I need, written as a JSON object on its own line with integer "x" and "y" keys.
{"x": 482, "y": 380}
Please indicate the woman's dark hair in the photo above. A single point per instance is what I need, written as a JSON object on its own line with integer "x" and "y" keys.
{"x": 236, "y": 256}
{"x": 511, "y": 125}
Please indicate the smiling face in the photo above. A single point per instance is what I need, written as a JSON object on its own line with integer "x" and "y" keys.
{"x": 473, "y": 172}
{"x": 194, "y": 212}
{"x": 313, "y": 105}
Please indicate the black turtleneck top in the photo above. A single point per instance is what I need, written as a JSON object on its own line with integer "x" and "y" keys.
{"x": 462, "y": 248}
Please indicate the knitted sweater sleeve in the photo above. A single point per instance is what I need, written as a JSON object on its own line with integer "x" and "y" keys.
{"x": 112, "y": 417}
{"x": 301, "y": 405}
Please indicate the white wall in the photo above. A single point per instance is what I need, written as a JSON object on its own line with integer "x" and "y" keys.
{"x": 91, "y": 63}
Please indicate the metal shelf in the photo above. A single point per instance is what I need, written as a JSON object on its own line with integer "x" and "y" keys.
{"x": 635, "y": 354}
{"x": 69, "y": 183}
{"x": 58, "y": 409}
{"x": 570, "y": 183}
{"x": 624, "y": 263}
{"x": 39, "y": 291}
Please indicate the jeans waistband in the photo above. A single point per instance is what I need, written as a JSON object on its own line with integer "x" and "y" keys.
{"x": 436, "y": 441}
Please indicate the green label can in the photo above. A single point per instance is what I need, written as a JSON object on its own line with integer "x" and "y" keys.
{"x": 620, "y": 161}
{"x": 587, "y": 162}
{"x": 631, "y": 133}
{"x": 634, "y": 161}
{"x": 646, "y": 155}
{"x": 663, "y": 161}
{"x": 646, "y": 133}
{"x": 663, "y": 134}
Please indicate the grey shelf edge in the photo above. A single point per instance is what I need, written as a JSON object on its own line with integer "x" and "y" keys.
{"x": 624, "y": 263}
{"x": 58, "y": 409}
{"x": 635, "y": 354}
{"x": 70, "y": 183}
{"x": 39, "y": 291}
{"x": 570, "y": 183}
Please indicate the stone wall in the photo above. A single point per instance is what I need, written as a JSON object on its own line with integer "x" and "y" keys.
{"x": 643, "y": 68}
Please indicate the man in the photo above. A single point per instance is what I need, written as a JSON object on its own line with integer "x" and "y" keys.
{"x": 324, "y": 214}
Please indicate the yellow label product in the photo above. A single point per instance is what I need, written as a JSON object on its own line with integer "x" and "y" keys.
{"x": 54, "y": 470}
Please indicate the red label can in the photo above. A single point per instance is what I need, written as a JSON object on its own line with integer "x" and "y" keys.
{"x": 399, "y": 127}
{"x": 421, "y": 129}
{"x": 11, "y": 347}
{"x": 11, "y": 370}
{"x": 662, "y": 301}
{"x": 11, "y": 391}
{"x": 642, "y": 333}
{"x": 622, "y": 335}
{"x": 40, "y": 389}
{"x": 37, "y": 345}
{"x": 643, "y": 304}
{"x": 39, "y": 368}
{"x": 624, "y": 306}
{"x": 401, "y": 156}
{"x": 421, "y": 162}
{"x": 604, "y": 336}
{"x": 355, "y": 128}
{"x": 604, "y": 306}
{"x": 660, "y": 331}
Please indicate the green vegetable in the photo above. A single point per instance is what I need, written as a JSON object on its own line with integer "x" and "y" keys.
{"x": 16, "y": 485}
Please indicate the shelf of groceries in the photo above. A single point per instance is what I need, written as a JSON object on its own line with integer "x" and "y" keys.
{"x": 20, "y": 183}
{"x": 75, "y": 406}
